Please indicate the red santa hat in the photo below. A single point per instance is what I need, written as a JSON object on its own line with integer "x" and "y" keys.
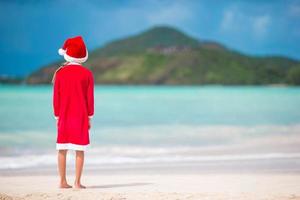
{"x": 74, "y": 50}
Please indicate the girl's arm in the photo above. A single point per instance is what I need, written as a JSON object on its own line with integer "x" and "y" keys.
{"x": 90, "y": 96}
{"x": 56, "y": 97}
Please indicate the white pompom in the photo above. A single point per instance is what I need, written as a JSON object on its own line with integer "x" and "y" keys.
{"x": 61, "y": 52}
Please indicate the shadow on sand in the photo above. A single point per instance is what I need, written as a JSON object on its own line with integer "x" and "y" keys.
{"x": 118, "y": 185}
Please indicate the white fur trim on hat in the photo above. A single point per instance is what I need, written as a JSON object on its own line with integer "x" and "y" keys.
{"x": 61, "y": 52}
{"x": 77, "y": 60}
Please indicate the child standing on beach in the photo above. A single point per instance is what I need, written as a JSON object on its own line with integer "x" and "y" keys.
{"x": 73, "y": 104}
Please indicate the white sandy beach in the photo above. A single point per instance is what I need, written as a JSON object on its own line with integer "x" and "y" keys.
{"x": 157, "y": 186}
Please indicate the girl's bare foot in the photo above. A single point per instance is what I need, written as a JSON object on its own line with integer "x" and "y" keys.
{"x": 64, "y": 185}
{"x": 79, "y": 186}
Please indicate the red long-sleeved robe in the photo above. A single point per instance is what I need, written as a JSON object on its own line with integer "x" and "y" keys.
{"x": 73, "y": 103}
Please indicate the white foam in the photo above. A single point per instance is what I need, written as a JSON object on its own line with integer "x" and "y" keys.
{"x": 138, "y": 155}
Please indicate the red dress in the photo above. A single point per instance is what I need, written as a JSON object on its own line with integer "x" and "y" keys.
{"x": 73, "y": 103}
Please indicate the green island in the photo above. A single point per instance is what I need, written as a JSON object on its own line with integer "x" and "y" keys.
{"x": 164, "y": 55}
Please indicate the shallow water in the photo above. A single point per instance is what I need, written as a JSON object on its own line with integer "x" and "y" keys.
{"x": 157, "y": 123}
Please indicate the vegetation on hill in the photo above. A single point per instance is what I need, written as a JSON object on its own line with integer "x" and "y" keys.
{"x": 164, "y": 55}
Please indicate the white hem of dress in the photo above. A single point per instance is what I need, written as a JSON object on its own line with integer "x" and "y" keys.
{"x": 77, "y": 147}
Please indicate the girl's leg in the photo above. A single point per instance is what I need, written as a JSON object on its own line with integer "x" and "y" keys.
{"x": 62, "y": 154}
{"x": 79, "y": 166}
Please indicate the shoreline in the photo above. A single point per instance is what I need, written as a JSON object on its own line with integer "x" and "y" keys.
{"x": 260, "y": 166}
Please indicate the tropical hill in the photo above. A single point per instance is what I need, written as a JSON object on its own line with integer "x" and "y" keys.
{"x": 165, "y": 55}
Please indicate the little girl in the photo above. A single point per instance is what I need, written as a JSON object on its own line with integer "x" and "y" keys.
{"x": 73, "y": 104}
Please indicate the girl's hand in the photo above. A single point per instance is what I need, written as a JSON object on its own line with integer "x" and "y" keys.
{"x": 89, "y": 123}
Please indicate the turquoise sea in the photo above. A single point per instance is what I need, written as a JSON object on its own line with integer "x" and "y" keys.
{"x": 157, "y": 124}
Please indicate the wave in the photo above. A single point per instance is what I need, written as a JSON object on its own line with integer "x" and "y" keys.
{"x": 96, "y": 157}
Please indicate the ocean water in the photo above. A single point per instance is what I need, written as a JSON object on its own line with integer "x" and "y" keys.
{"x": 136, "y": 125}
